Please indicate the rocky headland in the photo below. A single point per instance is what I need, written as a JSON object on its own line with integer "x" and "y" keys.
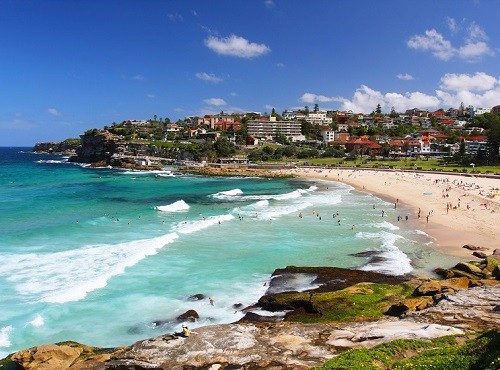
{"x": 346, "y": 309}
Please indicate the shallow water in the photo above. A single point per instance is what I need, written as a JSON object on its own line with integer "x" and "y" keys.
{"x": 107, "y": 257}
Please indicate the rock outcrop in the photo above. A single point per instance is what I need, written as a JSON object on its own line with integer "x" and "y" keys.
{"x": 97, "y": 147}
{"x": 431, "y": 309}
{"x": 67, "y": 147}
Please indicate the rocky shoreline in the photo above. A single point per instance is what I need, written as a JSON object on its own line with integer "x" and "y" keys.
{"x": 349, "y": 309}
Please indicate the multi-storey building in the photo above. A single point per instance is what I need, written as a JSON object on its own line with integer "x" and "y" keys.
{"x": 270, "y": 128}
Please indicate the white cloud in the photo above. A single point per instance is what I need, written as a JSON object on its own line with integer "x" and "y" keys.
{"x": 479, "y": 90}
{"x": 452, "y": 24}
{"x": 477, "y": 82}
{"x": 138, "y": 78}
{"x": 474, "y": 51}
{"x": 269, "y": 3}
{"x": 313, "y": 98}
{"x": 405, "y": 77}
{"x": 476, "y": 33}
{"x": 210, "y": 77}
{"x": 474, "y": 48}
{"x": 195, "y": 13}
{"x": 215, "y": 101}
{"x": 175, "y": 17}
{"x": 434, "y": 42}
{"x": 280, "y": 65}
{"x": 236, "y": 46}
{"x": 53, "y": 111}
{"x": 234, "y": 94}
{"x": 151, "y": 96}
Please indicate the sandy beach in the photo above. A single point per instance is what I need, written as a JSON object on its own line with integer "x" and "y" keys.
{"x": 454, "y": 210}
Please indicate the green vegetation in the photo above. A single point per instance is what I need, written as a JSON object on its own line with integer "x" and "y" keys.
{"x": 402, "y": 164}
{"x": 363, "y": 301}
{"x": 452, "y": 352}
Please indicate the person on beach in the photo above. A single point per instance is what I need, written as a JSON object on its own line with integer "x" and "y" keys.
{"x": 211, "y": 300}
{"x": 186, "y": 332}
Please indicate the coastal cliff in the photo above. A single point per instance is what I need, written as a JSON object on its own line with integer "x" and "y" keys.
{"x": 350, "y": 309}
{"x": 67, "y": 147}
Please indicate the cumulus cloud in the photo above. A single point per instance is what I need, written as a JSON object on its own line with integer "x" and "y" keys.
{"x": 405, "y": 77}
{"x": 474, "y": 48}
{"x": 215, "y": 101}
{"x": 435, "y": 42}
{"x": 53, "y": 111}
{"x": 313, "y": 98}
{"x": 480, "y": 81}
{"x": 479, "y": 90}
{"x": 236, "y": 46}
{"x": 210, "y": 77}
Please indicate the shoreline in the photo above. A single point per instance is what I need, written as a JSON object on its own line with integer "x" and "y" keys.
{"x": 455, "y": 210}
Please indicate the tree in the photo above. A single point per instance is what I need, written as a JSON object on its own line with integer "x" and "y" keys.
{"x": 306, "y": 110}
{"x": 393, "y": 113}
{"x": 306, "y": 127}
{"x": 316, "y": 108}
{"x": 378, "y": 110}
{"x": 224, "y": 148}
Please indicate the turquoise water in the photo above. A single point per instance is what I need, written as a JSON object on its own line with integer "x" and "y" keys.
{"x": 107, "y": 257}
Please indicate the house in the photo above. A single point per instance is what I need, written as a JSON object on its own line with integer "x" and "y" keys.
{"x": 227, "y": 125}
{"x": 328, "y": 135}
{"x": 318, "y": 118}
{"x": 362, "y": 145}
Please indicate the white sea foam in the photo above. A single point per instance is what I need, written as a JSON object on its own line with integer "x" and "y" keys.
{"x": 270, "y": 212}
{"x": 36, "y": 322}
{"x": 393, "y": 260}
{"x": 237, "y": 195}
{"x": 166, "y": 174}
{"x": 228, "y": 194}
{"x": 70, "y": 275}
{"x": 52, "y": 161}
{"x": 5, "y": 336}
{"x": 188, "y": 227}
{"x": 178, "y": 206}
{"x": 295, "y": 282}
{"x": 386, "y": 225}
{"x": 291, "y": 195}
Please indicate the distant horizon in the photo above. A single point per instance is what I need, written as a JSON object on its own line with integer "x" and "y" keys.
{"x": 71, "y": 66}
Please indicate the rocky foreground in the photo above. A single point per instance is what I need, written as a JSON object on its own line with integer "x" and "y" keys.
{"x": 350, "y": 309}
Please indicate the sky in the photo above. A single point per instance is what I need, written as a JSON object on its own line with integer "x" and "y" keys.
{"x": 71, "y": 65}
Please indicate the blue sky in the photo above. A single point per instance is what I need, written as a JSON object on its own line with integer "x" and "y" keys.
{"x": 67, "y": 66}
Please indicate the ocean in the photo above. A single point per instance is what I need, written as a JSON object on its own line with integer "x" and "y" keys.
{"x": 107, "y": 257}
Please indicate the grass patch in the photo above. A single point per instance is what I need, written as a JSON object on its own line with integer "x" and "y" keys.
{"x": 360, "y": 302}
{"x": 452, "y": 352}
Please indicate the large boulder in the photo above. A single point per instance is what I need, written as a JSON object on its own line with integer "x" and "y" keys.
{"x": 468, "y": 267}
{"x": 455, "y": 284}
{"x": 409, "y": 305}
{"x": 47, "y": 357}
{"x": 496, "y": 273}
{"x": 428, "y": 288}
{"x": 189, "y": 315}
